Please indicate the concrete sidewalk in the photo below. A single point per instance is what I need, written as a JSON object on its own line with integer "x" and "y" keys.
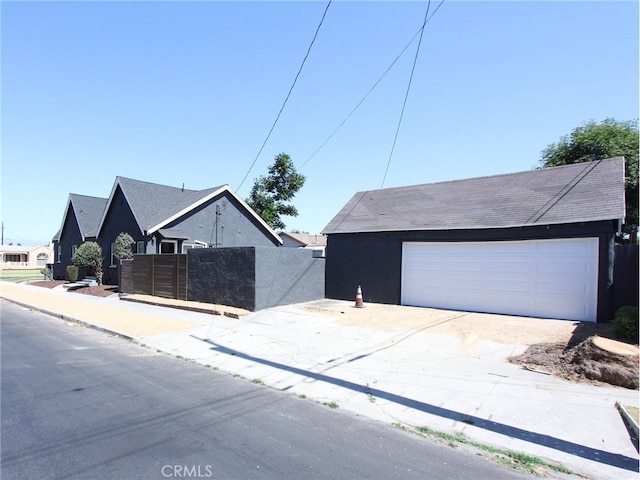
{"x": 417, "y": 367}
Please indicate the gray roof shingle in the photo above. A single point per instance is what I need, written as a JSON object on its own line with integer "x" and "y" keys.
{"x": 88, "y": 212}
{"x": 580, "y": 192}
{"x": 153, "y": 203}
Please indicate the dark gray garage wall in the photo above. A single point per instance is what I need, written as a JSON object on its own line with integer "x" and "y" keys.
{"x": 254, "y": 278}
{"x": 374, "y": 260}
{"x": 287, "y": 275}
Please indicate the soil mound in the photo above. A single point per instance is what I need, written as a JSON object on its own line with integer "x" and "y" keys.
{"x": 592, "y": 360}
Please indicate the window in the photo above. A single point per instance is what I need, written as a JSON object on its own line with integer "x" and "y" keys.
{"x": 73, "y": 250}
{"x": 59, "y": 253}
{"x": 114, "y": 260}
{"x": 140, "y": 247}
{"x": 168, "y": 246}
{"x": 42, "y": 259}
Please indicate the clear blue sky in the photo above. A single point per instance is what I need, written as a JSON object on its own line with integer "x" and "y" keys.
{"x": 186, "y": 92}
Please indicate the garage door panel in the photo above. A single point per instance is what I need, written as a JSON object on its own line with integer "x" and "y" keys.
{"x": 509, "y": 287}
{"x": 566, "y": 266}
{"x": 542, "y": 278}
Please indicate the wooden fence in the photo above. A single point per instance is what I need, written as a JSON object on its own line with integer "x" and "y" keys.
{"x": 158, "y": 275}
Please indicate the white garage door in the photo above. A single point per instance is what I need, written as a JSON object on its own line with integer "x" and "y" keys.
{"x": 537, "y": 278}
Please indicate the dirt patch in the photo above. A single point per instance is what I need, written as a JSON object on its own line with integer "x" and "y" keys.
{"x": 98, "y": 291}
{"x": 587, "y": 360}
{"x": 555, "y": 347}
{"x": 470, "y": 327}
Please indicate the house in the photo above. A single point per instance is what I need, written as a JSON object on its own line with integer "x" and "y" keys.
{"x": 79, "y": 224}
{"x": 537, "y": 243}
{"x": 165, "y": 219}
{"x": 19, "y": 257}
{"x": 317, "y": 242}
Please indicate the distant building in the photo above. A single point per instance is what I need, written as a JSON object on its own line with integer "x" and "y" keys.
{"x": 316, "y": 242}
{"x": 21, "y": 257}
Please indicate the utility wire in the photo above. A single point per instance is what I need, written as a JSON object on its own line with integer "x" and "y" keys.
{"x": 363, "y": 98}
{"x": 372, "y": 88}
{"x": 404, "y": 104}
{"x": 288, "y": 95}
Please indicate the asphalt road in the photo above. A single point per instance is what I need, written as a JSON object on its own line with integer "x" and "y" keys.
{"x": 81, "y": 404}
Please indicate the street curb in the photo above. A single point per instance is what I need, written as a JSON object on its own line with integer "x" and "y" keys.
{"x": 188, "y": 308}
{"x": 627, "y": 418}
{"x": 73, "y": 320}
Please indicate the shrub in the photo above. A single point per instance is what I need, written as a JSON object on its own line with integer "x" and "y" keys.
{"x": 625, "y": 323}
{"x": 122, "y": 246}
{"x": 72, "y": 273}
{"x": 89, "y": 256}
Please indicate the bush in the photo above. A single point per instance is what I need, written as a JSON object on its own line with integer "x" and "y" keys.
{"x": 89, "y": 256}
{"x": 122, "y": 246}
{"x": 625, "y": 323}
{"x": 72, "y": 273}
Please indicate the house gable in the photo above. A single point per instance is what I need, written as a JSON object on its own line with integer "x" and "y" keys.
{"x": 155, "y": 207}
{"x": 220, "y": 221}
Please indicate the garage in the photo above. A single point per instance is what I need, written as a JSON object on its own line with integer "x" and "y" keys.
{"x": 537, "y": 243}
{"x": 554, "y": 278}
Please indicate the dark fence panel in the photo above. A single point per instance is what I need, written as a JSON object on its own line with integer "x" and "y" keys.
{"x": 252, "y": 278}
{"x": 625, "y": 276}
{"x": 158, "y": 275}
{"x": 126, "y": 276}
{"x": 169, "y": 276}
{"x": 143, "y": 274}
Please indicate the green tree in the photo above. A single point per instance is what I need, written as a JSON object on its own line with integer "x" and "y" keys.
{"x": 122, "y": 246}
{"x": 597, "y": 141}
{"x": 89, "y": 257}
{"x": 270, "y": 195}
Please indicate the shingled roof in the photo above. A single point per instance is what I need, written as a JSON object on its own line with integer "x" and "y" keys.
{"x": 88, "y": 211}
{"x": 154, "y": 206}
{"x": 582, "y": 192}
{"x": 152, "y": 203}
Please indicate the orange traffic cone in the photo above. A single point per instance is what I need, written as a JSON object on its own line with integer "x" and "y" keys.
{"x": 359, "y": 302}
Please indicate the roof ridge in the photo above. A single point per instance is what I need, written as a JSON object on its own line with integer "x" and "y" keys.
{"x": 497, "y": 175}
{"x": 158, "y": 184}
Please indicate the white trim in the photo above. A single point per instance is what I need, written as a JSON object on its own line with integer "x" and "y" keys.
{"x": 205, "y": 199}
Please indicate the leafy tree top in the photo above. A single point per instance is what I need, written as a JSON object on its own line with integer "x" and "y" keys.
{"x": 270, "y": 194}
{"x": 597, "y": 141}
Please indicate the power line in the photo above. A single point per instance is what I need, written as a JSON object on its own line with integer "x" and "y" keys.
{"x": 287, "y": 98}
{"x": 420, "y": 30}
{"x": 363, "y": 98}
{"x": 406, "y": 96}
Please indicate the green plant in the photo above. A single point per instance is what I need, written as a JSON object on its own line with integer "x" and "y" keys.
{"x": 509, "y": 458}
{"x": 89, "y": 256}
{"x": 625, "y": 323}
{"x": 122, "y": 247}
{"x": 72, "y": 273}
{"x": 331, "y": 404}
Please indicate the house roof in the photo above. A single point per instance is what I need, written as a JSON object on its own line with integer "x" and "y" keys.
{"x": 88, "y": 212}
{"x": 306, "y": 239}
{"x": 21, "y": 248}
{"x": 154, "y": 206}
{"x": 582, "y": 192}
